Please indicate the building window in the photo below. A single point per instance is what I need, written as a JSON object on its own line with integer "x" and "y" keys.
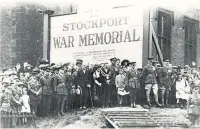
{"x": 165, "y": 22}
{"x": 191, "y": 27}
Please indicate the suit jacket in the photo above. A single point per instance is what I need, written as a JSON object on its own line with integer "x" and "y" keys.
{"x": 83, "y": 79}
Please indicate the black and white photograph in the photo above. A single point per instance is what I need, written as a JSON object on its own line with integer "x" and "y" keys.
{"x": 99, "y": 64}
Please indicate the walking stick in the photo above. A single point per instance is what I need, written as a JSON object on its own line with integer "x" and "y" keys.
{"x": 91, "y": 97}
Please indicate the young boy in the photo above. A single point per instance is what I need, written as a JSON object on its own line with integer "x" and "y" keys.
{"x": 120, "y": 85}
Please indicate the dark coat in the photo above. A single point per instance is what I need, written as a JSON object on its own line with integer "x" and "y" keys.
{"x": 83, "y": 79}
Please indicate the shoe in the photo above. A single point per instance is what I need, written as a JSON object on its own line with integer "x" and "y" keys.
{"x": 81, "y": 107}
{"x": 84, "y": 107}
{"x": 62, "y": 113}
{"x": 149, "y": 104}
{"x": 158, "y": 105}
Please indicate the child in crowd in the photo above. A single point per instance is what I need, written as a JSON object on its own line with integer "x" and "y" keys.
{"x": 120, "y": 85}
{"x": 25, "y": 102}
{"x": 193, "y": 106}
{"x": 182, "y": 91}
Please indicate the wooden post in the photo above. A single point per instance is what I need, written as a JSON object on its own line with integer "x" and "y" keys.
{"x": 145, "y": 36}
{"x": 46, "y": 34}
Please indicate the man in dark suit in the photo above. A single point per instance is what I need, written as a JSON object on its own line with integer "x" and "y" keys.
{"x": 105, "y": 79}
{"x": 84, "y": 81}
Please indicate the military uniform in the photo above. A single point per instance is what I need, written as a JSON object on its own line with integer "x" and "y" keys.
{"x": 132, "y": 84}
{"x": 34, "y": 92}
{"x": 149, "y": 76}
{"x": 69, "y": 80}
{"x": 61, "y": 92}
{"x": 47, "y": 92}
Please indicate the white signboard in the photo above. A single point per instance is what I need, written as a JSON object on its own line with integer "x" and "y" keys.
{"x": 95, "y": 37}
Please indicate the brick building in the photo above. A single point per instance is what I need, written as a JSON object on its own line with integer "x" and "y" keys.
{"x": 21, "y": 35}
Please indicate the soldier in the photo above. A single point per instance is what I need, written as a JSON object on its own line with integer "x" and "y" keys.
{"x": 47, "y": 90}
{"x": 84, "y": 81}
{"x": 149, "y": 76}
{"x": 166, "y": 81}
{"x": 132, "y": 83}
{"x": 69, "y": 82}
{"x": 61, "y": 90}
{"x": 5, "y": 103}
{"x": 34, "y": 91}
{"x": 105, "y": 75}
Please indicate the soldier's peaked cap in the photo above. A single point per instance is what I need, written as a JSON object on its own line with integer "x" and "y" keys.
{"x": 150, "y": 58}
{"x": 36, "y": 70}
{"x": 166, "y": 60}
{"x": 132, "y": 63}
{"x": 113, "y": 59}
{"x": 79, "y": 60}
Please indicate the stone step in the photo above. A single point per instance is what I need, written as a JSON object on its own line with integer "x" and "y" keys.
{"x": 141, "y": 117}
{"x": 132, "y": 125}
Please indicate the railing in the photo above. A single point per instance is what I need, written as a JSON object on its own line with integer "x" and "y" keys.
{"x": 17, "y": 120}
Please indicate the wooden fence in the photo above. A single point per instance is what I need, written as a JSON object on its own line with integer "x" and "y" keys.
{"x": 17, "y": 120}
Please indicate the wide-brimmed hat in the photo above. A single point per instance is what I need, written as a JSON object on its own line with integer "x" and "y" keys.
{"x": 124, "y": 61}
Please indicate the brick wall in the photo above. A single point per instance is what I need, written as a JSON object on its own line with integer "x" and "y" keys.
{"x": 178, "y": 34}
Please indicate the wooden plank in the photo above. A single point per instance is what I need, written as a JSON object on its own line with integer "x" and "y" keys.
{"x": 155, "y": 40}
{"x": 111, "y": 122}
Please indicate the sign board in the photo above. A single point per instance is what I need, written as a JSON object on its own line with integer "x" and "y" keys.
{"x": 97, "y": 36}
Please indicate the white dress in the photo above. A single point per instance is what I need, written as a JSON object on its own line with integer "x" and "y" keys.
{"x": 182, "y": 89}
{"x": 25, "y": 106}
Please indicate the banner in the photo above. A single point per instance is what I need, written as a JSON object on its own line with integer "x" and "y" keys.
{"x": 97, "y": 36}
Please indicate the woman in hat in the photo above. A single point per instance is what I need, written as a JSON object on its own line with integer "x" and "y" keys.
{"x": 193, "y": 106}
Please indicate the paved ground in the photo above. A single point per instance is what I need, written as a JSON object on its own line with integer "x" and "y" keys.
{"x": 92, "y": 118}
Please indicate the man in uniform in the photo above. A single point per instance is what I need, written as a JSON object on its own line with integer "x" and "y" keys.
{"x": 47, "y": 90}
{"x": 165, "y": 77}
{"x": 149, "y": 76}
{"x": 34, "y": 91}
{"x": 132, "y": 83}
{"x": 6, "y": 100}
{"x": 61, "y": 90}
{"x": 105, "y": 75}
{"x": 84, "y": 81}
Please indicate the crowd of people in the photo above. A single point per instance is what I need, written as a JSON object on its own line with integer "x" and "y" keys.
{"x": 56, "y": 89}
